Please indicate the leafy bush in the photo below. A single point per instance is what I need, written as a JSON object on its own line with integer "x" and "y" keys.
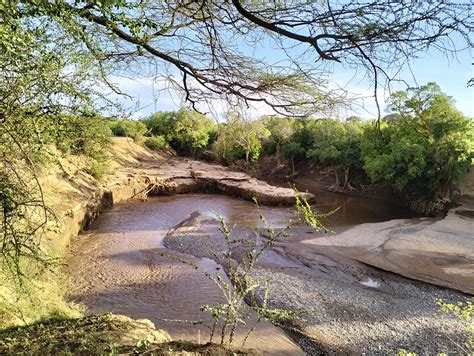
{"x": 79, "y": 134}
{"x": 98, "y": 167}
{"x": 428, "y": 147}
{"x": 129, "y": 128}
{"x": 156, "y": 142}
{"x": 336, "y": 144}
{"x": 186, "y": 131}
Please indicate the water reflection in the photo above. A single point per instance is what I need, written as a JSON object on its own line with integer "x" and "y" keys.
{"x": 352, "y": 210}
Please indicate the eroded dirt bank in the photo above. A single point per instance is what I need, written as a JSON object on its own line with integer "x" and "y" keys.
{"x": 158, "y": 174}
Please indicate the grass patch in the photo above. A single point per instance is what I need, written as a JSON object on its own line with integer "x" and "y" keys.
{"x": 101, "y": 334}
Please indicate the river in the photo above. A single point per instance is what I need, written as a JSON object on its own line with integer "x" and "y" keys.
{"x": 117, "y": 264}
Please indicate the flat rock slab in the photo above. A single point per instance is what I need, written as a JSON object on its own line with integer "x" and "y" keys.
{"x": 435, "y": 251}
{"x": 222, "y": 180}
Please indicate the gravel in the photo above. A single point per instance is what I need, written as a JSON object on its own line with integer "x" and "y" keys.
{"x": 355, "y": 319}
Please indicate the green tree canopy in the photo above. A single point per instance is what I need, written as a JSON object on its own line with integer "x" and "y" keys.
{"x": 336, "y": 144}
{"x": 240, "y": 138}
{"x": 428, "y": 147}
{"x": 281, "y": 129}
{"x": 186, "y": 130}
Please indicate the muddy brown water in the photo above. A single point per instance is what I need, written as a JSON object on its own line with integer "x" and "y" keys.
{"x": 351, "y": 209}
{"x": 117, "y": 264}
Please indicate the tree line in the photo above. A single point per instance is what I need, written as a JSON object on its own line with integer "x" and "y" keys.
{"x": 418, "y": 149}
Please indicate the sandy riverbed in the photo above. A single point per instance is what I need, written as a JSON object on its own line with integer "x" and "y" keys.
{"x": 118, "y": 267}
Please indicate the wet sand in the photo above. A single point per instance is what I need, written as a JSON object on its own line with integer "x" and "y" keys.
{"x": 117, "y": 266}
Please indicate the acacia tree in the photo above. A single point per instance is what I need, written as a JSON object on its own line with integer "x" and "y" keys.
{"x": 45, "y": 82}
{"x": 291, "y": 150}
{"x": 201, "y": 46}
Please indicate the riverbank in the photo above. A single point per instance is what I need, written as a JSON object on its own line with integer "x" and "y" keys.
{"x": 76, "y": 199}
{"x": 438, "y": 251}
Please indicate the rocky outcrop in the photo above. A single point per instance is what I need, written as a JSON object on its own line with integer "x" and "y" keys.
{"x": 198, "y": 235}
{"x": 161, "y": 176}
{"x": 438, "y": 251}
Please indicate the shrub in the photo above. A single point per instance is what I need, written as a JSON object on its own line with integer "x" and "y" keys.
{"x": 98, "y": 168}
{"x": 80, "y": 134}
{"x": 156, "y": 142}
{"x": 186, "y": 131}
{"x": 128, "y": 128}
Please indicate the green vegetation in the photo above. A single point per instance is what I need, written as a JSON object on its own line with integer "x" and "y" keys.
{"x": 428, "y": 146}
{"x": 240, "y": 138}
{"x": 281, "y": 130}
{"x": 47, "y": 99}
{"x": 186, "y": 131}
{"x": 103, "y": 334}
{"x": 418, "y": 150}
{"x": 463, "y": 311}
{"x": 56, "y": 57}
{"x": 336, "y": 144}
{"x": 156, "y": 143}
{"x": 94, "y": 335}
{"x": 128, "y": 128}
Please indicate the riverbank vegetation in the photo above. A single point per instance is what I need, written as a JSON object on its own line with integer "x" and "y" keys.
{"x": 102, "y": 334}
{"x": 418, "y": 150}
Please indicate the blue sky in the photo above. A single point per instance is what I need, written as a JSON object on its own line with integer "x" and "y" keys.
{"x": 450, "y": 73}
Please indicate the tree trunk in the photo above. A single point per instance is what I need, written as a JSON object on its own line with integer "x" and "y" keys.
{"x": 347, "y": 183}
{"x": 278, "y": 152}
{"x": 337, "y": 177}
{"x": 293, "y": 165}
{"x": 346, "y": 177}
{"x": 247, "y": 153}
